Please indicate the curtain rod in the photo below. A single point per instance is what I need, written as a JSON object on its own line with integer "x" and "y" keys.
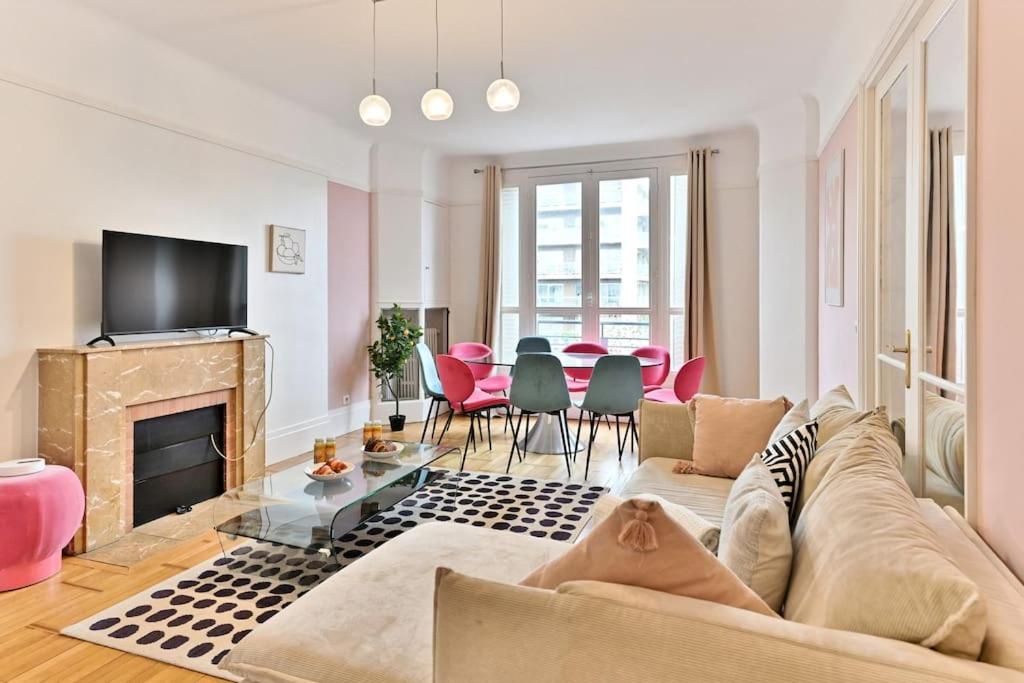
{"x": 588, "y": 163}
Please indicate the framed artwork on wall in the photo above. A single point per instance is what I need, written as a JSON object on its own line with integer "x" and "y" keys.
{"x": 833, "y": 217}
{"x": 287, "y": 250}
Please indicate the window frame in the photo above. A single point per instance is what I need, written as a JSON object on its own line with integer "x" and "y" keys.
{"x": 659, "y": 173}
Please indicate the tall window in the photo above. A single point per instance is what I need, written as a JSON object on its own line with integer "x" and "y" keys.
{"x": 584, "y": 253}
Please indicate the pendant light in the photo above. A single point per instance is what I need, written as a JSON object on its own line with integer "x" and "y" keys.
{"x": 374, "y": 110}
{"x": 502, "y": 94}
{"x": 437, "y": 104}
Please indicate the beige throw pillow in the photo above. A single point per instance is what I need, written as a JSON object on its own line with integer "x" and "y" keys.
{"x": 835, "y": 411}
{"x": 728, "y": 431}
{"x": 876, "y": 422}
{"x": 797, "y": 416}
{"x": 639, "y": 544}
{"x": 755, "y": 542}
{"x": 864, "y": 559}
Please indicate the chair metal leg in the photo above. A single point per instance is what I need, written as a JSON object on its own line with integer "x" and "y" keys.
{"x": 526, "y": 436}
{"x": 465, "y": 451}
{"x": 490, "y": 446}
{"x": 618, "y": 438}
{"x": 590, "y": 443}
{"x": 563, "y": 426}
{"x": 447, "y": 424}
{"x": 561, "y": 432}
{"x": 437, "y": 414}
{"x": 426, "y": 422}
{"x": 579, "y": 424}
{"x": 515, "y": 443}
{"x": 634, "y": 440}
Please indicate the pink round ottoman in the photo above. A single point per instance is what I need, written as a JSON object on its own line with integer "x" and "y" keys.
{"x": 39, "y": 514}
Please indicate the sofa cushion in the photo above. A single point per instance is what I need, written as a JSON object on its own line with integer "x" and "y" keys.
{"x": 795, "y": 417}
{"x": 876, "y": 422}
{"x": 834, "y": 412}
{"x": 640, "y": 544}
{"x": 865, "y": 560}
{"x": 388, "y": 593}
{"x": 728, "y": 431}
{"x": 666, "y": 430}
{"x": 788, "y": 459}
{"x": 704, "y": 495}
{"x": 755, "y": 542}
{"x": 1003, "y": 593}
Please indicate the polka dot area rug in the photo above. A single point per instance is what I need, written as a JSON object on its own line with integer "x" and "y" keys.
{"x": 192, "y": 620}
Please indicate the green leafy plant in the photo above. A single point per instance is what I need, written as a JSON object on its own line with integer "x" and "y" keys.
{"x": 389, "y": 354}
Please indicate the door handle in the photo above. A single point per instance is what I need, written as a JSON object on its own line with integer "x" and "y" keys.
{"x": 905, "y": 349}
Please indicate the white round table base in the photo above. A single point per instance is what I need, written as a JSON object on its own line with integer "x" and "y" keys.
{"x": 544, "y": 437}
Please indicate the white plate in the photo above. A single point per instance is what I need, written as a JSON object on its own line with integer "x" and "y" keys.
{"x": 384, "y": 456}
{"x": 328, "y": 477}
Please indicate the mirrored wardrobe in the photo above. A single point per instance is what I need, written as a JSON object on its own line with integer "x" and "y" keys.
{"x": 923, "y": 250}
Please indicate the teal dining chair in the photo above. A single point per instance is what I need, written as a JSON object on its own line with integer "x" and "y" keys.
{"x": 615, "y": 390}
{"x": 538, "y": 388}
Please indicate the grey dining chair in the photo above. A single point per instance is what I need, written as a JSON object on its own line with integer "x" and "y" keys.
{"x": 615, "y": 389}
{"x": 431, "y": 387}
{"x": 538, "y": 388}
{"x": 533, "y": 345}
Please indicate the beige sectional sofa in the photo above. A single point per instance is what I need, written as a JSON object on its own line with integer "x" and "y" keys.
{"x": 441, "y": 602}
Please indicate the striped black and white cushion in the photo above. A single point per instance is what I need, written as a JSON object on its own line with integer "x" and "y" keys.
{"x": 787, "y": 459}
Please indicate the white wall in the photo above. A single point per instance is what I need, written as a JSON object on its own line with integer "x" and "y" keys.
{"x": 788, "y": 177}
{"x": 105, "y": 128}
{"x": 733, "y": 240}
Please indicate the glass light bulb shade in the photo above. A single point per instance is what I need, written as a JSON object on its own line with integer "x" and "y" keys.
{"x": 437, "y": 104}
{"x": 374, "y": 110}
{"x": 503, "y": 95}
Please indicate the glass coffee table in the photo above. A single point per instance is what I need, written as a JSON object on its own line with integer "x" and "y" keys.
{"x": 289, "y": 508}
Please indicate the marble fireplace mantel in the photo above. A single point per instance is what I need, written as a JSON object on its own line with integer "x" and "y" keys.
{"x": 89, "y": 398}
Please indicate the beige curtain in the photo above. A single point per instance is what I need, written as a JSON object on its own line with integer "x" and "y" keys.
{"x": 941, "y": 258}
{"x": 488, "y": 311}
{"x": 699, "y": 328}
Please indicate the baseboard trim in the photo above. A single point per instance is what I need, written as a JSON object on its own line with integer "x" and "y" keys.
{"x": 295, "y": 439}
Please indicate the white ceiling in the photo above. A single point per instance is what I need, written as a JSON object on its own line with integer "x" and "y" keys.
{"x": 590, "y": 71}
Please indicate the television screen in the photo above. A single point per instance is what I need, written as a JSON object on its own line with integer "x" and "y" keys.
{"x": 162, "y": 284}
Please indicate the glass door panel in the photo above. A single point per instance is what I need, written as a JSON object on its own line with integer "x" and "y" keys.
{"x": 893, "y": 213}
{"x": 624, "y": 233}
{"x": 560, "y": 245}
{"x": 560, "y": 328}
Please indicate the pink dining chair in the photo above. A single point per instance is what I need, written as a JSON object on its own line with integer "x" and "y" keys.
{"x": 466, "y": 398}
{"x": 483, "y": 374}
{"x": 654, "y": 375}
{"x": 578, "y": 378}
{"x": 686, "y": 385}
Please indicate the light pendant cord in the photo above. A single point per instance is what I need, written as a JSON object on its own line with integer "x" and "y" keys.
{"x": 501, "y": 37}
{"x": 373, "y": 49}
{"x": 437, "y": 47}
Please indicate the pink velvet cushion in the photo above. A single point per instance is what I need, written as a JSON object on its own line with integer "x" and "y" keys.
{"x": 639, "y": 544}
{"x": 727, "y": 432}
{"x": 494, "y": 384}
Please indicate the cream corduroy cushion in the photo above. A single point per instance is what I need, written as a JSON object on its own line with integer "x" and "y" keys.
{"x": 835, "y": 411}
{"x": 797, "y": 416}
{"x": 865, "y": 560}
{"x": 755, "y": 542}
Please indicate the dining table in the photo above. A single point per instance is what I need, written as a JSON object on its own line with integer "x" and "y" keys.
{"x": 544, "y": 436}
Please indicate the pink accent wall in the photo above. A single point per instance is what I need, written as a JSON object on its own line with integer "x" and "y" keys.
{"x": 998, "y": 383}
{"x": 348, "y": 294}
{"x": 837, "y": 326}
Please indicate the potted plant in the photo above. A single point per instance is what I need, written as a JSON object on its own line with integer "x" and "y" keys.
{"x": 389, "y": 354}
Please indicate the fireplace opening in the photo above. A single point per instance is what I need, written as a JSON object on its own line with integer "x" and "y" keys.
{"x": 175, "y": 463}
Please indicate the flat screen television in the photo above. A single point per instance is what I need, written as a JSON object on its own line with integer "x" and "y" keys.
{"x": 163, "y": 284}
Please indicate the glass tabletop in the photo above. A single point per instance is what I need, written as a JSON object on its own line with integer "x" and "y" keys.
{"x": 568, "y": 360}
{"x": 290, "y": 508}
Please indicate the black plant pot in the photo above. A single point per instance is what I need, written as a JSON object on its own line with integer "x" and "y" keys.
{"x": 397, "y": 422}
